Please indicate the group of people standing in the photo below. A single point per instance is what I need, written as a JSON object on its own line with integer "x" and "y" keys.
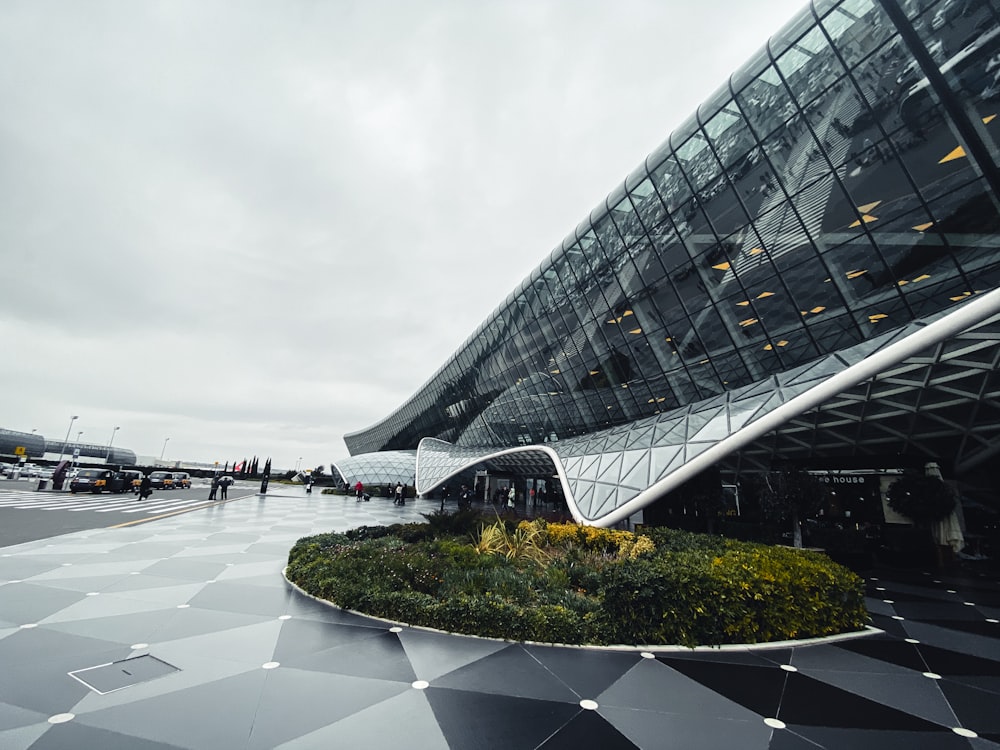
{"x": 220, "y": 485}
{"x": 397, "y": 493}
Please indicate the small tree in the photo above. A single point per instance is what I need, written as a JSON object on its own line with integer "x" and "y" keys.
{"x": 922, "y": 499}
{"x": 791, "y": 496}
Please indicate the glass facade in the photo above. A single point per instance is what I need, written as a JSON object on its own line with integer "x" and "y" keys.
{"x": 382, "y": 468}
{"x": 841, "y": 186}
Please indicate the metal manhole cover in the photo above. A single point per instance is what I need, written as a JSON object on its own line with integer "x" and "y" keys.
{"x": 106, "y": 678}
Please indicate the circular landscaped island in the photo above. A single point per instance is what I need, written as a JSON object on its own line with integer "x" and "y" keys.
{"x": 571, "y": 584}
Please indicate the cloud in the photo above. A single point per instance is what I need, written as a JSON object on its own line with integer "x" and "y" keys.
{"x": 254, "y": 227}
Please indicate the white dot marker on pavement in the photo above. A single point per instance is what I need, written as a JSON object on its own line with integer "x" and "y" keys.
{"x": 588, "y": 704}
{"x": 420, "y": 684}
{"x": 61, "y": 718}
{"x": 775, "y": 723}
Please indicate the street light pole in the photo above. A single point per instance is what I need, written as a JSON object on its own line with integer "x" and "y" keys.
{"x": 164, "y": 448}
{"x": 66, "y": 441}
{"x": 111, "y": 439}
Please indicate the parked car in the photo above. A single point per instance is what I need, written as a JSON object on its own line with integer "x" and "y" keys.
{"x": 161, "y": 480}
{"x": 5, "y": 468}
{"x": 131, "y": 479}
{"x": 96, "y": 481}
{"x": 182, "y": 480}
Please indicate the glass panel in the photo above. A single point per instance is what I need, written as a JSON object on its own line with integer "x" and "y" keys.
{"x": 858, "y": 272}
{"x": 781, "y": 232}
{"x": 834, "y": 334}
{"x": 723, "y": 208}
{"x": 702, "y": 169}
{"x": 670, "y": 249}
{"x": 670, "y": 184}
{"x": 881, "y": 315}
{"x": 765, "y": 103}
{"x": 814, "y": 297}
{"x": 648, "y": 207}
{"x": 810, "y": 66}
{"x": 926, "y": 300}
{"x": 857, "y": 27}
{"x": 791, "y": 32}
{"x": 969, "y": 221}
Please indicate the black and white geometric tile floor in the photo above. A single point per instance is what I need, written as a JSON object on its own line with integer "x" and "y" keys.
{"x": 262, "y": 666}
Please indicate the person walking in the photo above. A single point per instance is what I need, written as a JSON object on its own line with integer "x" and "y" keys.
{"x": 224, "y": 487}
{"x": 213, "y": 489}
{"x": 399, "y": 494}
{"x": 145, "y": 488}
{"x": 359, "y": 491}
{"x": 511, "y": 496}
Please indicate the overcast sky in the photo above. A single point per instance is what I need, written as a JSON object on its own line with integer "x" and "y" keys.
{"x": 251, "y": 227}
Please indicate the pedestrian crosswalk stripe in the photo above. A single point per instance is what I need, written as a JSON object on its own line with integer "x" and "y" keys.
{"x": 127, "y": 503}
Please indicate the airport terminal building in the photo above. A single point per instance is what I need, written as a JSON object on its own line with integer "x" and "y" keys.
{"x": 807, "y": 268}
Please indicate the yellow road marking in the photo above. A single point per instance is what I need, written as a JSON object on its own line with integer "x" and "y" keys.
{"x": 173, "y": 513}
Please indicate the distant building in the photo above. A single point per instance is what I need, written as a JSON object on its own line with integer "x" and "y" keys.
{"x": 35, "y": 446}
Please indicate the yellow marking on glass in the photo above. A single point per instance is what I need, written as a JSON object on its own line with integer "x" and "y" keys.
{"x": 924, "y": 227}
{"x": 748, "y": 322}
{"x": 855, "y": 274}
{"x": 722, "y": 266}
{"x": 922, "y": 277}
{"x": 764, "y": 295}
{"x": 867, "y": 207}
{"x": 877, "y": 317}
{"x": 554, "y": 372}
{"x": 756, "y": 250}
{"x": 958, "y": 153}
{"x": 744, "y": 303}
{"x": 635, "y": 331}
{"x": 902, "y": 282}
{"x": 988, "y": 119}
{"x": 817, "y": 309}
